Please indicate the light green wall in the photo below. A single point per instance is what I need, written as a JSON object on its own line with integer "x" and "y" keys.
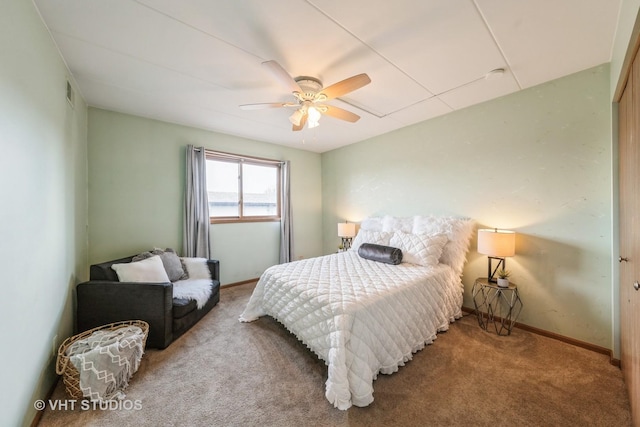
{"x": 537, "y": 161}
{"x": 43, "y": 238}
{"x": 136, "y": 186}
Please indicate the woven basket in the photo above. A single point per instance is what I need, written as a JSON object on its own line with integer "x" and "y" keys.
{"x": 70, "y": 375}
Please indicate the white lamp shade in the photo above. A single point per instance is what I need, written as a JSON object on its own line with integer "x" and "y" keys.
{"x": 296, "y": 117}
{"x": 313, "y": 117}
{"x": 497, "y": 243}
{"x": 346, "y": 229}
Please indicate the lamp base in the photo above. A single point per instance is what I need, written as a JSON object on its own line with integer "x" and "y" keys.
{"x": 490, "y": 272}
{"x": 346, "y": 243}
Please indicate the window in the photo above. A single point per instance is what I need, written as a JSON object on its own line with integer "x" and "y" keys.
{"x": 242, "y": 189}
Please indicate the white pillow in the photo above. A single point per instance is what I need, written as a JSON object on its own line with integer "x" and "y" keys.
{"x": 458, "y": 232}
{"x": 371, "y": 224}
{"x": 197, "y": 268}
{"x": 391, "y": 224}
{"x": 419, "y": 249}
{"x": 366, "y": 236}
{"x": 150, "y": 270}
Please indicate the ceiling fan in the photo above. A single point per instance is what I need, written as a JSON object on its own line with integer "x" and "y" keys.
{"x": 309, "y": 95}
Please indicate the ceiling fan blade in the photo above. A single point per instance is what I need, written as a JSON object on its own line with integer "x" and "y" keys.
{"x": 303, "y": 121}
{"x": 339, "y": 113}
{"x": 282, "y": 76}
{"x": 345, "y": 86}
{"x": 267, "y": 105}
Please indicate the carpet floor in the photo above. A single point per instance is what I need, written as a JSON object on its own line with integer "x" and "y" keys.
{"x": 226, "y": 373}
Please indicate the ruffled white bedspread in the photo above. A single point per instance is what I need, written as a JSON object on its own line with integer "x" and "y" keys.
{"x": 361, "y": 317}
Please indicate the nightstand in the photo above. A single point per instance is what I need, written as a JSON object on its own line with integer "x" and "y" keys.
{"x": 495, "y": 305}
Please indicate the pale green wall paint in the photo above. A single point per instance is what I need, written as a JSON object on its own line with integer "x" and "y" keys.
{"x": 537, "y": 161}
{"x": 43, "y": 238}
{"x": 136, "y": 186}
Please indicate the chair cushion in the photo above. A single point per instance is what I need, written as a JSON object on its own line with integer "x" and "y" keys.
{"x": 182, "y": 307}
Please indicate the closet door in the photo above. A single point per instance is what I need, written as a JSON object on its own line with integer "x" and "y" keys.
{"x": 629, "y": 164}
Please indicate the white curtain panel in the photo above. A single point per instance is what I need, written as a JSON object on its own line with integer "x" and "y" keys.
{"x": 196, "y": 210}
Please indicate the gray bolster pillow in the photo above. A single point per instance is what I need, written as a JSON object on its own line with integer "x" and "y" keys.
{"x": 380, "y": 253}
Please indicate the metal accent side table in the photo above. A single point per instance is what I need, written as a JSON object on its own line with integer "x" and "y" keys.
{"x": 495, "y": 305}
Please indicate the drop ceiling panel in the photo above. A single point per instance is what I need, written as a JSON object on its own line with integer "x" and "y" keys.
{"x": 480, "y": 91}
{"x": 131, "y": 29}
{"x": 114, "y": 68}
{"x": 303, "y": 40}
{"x": 441, "y": 44}
{"x": 547, "y": 39}
{"x": 283, "y": 30}
{"x": 420, "y": 111}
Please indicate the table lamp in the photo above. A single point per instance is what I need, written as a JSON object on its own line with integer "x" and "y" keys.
{"x": 346, "y": 231}
{"x": 496, "y": 244}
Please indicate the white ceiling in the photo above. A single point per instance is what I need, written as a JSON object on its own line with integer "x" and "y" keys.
{"x": 194, "y": 62}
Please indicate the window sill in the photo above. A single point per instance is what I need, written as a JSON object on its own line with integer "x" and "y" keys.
{"x": 241, "y": 220}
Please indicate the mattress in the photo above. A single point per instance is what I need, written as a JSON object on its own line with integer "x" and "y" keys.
{"x": 361, "y": 317}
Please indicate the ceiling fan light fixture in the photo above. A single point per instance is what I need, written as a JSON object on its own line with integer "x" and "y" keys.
{"x": 314, "y": 117}
{"x": 296, "y": 117}
{"x": 308, "y": 92}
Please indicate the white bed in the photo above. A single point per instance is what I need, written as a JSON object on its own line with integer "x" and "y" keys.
{"x": 363, "y": 317}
